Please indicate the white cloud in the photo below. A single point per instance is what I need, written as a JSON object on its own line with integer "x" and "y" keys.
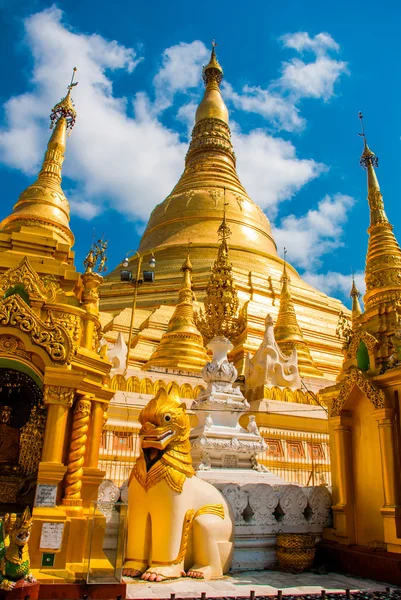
{"x": 279, "y": 102}
{"x": 269, "y": 168}
{"x": 181, "y": 67}
{"x": 312, "y": 80}
{"x": 301, "y": 41}
{"x": 279, "y": 110}
{"x": 334, "y": 283}
{"x": 318, "y": 232}
{"x": 120, "y": 153}
{"x": 130, "y": 163}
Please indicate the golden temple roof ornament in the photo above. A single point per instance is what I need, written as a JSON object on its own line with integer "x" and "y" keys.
{"x": 355, "y": 295}
{"x": 383, "y": 260}
{"x": 222, "y": 316}
{"x": 96, "y": 258}
{"x": 213, "y": 71}
{"x": 65, "y": 108}
{"x": 287, "y": 331}
{"x": 181, "y": 346}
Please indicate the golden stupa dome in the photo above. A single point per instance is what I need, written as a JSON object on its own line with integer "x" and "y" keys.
{"x": 43, "y": 204}
{"x": 194, "y": 208}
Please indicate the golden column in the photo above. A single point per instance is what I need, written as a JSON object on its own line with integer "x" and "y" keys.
{"x": 343, "y": 518}
{"x": 96, "y": 426}
{"x": 72, "y": 496}
{"x": 385, "y": 419}
{"x": 58, "y": 400}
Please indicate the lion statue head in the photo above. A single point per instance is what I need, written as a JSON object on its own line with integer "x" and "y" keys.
{"x": 166, "y": 450}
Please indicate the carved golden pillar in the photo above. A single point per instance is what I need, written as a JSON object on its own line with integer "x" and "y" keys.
{"x": 97, "y": 418}
{"x": 73, "y": 478}
{"x": 90, "y": 298}
{"x": 58, "y": 400}
{"x": 385, "y": 418}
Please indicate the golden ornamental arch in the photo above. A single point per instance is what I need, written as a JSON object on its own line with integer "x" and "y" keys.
{"x": 354, "y": 378}
{"x": 367, "y": 338}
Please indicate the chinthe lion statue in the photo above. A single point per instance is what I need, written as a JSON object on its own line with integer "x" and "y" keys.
{"x": 14, "y": 552}
{"x": 178, "y": 524}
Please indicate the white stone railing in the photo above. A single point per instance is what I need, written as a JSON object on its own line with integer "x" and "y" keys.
{"x": 261, "y": 511}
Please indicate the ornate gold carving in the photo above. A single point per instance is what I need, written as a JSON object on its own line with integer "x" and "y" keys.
{"x": 353, "y": 378}
{"x": 222, "y": 315}
{"x": 73, "y": 478}
{"x": 31, "y": 440}
{"x": 54, "y": 394}
{"x": 96, "y": 258}
{"x": 37, "y": 288}
{"x": 69, "y": 321}
{"x": 54, "y": 339}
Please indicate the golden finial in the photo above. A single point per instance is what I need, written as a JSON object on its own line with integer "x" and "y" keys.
{"x": 224, "y": 232}
{"x": 213, "y": 71}
{"x": 96, "y": 258}
{"x": 355, "y": 295}
{"x": 368, "y": 157}
{"x": 284, "y": 277}
{"x": 65, "y": 108}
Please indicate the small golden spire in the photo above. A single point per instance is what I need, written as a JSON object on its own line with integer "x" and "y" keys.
{"x": 287, "y": 331}
{"x": 43, "y": 204}
{"x": 212, "y": 105}
{"x": 355, "y": 295}
{"x": 65, "y": 108}
{"x": 213, "y": 73}
{"x": 383, "y": 259}
{"x": 222, "y": 316}
{"x": 181, "y": 346}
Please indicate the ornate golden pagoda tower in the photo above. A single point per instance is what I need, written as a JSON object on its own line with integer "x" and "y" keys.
{"x": 288, "y": 333}
{"x": 193, "y": 210}
{"x": 364, "y": 406}
{"x": 181, "y": 346}
{"x": 52, "y": 373}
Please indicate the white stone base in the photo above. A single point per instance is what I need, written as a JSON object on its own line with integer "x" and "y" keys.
{"x": 239, "y": 476}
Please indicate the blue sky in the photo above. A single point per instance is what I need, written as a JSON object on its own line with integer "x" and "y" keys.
{"x": 296, "y": 75}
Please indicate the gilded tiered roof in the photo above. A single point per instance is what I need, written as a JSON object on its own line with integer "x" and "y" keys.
{"x": 43, "y": 204}
{"x": 181, "y": 346}
{"x": 288, "y": 333}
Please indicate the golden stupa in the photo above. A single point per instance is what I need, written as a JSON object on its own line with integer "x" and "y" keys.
{"x": 181, "y": 346}
{"x": 208, "y": 187}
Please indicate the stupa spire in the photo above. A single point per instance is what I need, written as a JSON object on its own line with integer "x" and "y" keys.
{"x": 181, "y": 346}
{"x": 287, "y": 331}
{"x": 383, "y": 260}
{"x": 43, "y": 204}
{"x": 355, "y": 295}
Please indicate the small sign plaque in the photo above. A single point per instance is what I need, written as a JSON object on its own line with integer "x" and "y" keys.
{"x": 52, "y": 536}
{"x": 46, "y": 495}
